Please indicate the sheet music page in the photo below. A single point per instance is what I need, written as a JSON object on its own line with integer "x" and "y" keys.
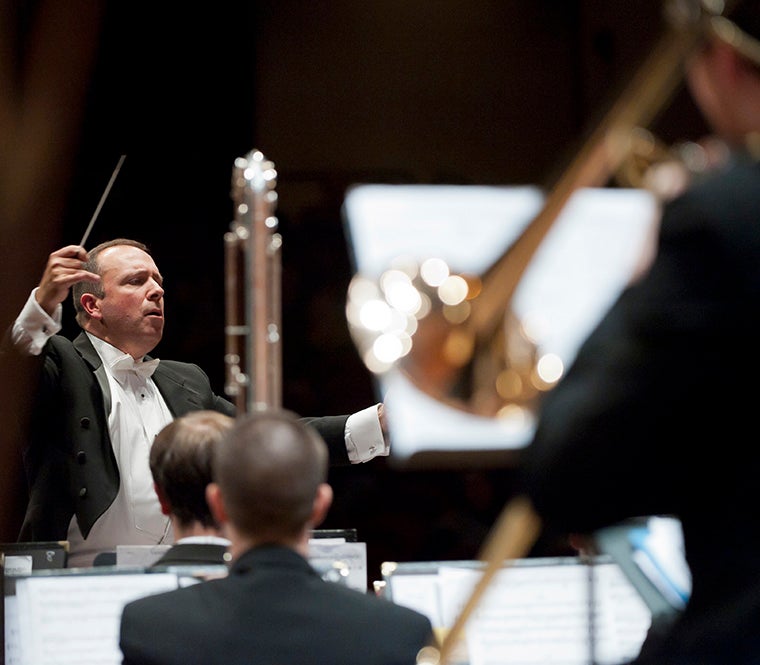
{"x": 74, "y": 619}
{"x": 419, "y": 592}
{"x": 539, "y": 615}
{"x": 18, "y": 564}
{"x": 12, "y": 655}
{"x": 341, "y": 562}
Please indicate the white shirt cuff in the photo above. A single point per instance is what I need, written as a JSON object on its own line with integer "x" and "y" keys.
{"x": 33, "y": 327}
{"x": 364, "y": 437}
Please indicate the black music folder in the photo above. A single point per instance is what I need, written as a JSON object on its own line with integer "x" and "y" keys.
{"x": 21, "y": 558}
{"x": 346, "y": 535}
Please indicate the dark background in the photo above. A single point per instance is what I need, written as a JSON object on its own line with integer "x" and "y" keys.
{"x": 338, "y": 93}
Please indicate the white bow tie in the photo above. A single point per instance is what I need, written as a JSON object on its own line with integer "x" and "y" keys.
{"x": 126, "y": 363}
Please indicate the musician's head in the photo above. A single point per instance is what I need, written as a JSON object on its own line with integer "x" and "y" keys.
{"x": 126, "y": 308}
{"x": 181, "y": 465}
{"x": 724, "y": 73}
{"x": 270, "y": 474}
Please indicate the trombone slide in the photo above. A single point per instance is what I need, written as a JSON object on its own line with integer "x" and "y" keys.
{"x": 253, "y": 357}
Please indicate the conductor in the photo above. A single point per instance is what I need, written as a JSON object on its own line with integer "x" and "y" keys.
{"x": 102, "y": 399}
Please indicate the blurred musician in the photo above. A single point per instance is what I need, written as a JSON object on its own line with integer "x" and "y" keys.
{"x": 657, "y": 413}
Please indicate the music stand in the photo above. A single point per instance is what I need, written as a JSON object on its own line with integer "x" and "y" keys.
{"x": 585, "y": 261}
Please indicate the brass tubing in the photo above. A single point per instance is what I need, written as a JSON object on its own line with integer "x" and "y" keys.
{"x": 650, "y": 89}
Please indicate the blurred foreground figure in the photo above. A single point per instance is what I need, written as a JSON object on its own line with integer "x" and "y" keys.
{"x": 655, "y": 416}
{"x": 47, "y": 51}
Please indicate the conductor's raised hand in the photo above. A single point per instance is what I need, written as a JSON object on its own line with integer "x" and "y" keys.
{"x": 64, "y": 268}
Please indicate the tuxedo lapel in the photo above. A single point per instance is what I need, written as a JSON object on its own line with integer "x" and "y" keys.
{"x": 84, "y": 347}
{"x": 180, "y": 398}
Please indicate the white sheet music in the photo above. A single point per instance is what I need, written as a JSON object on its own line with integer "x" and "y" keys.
{"x": 12, "y": 648}
{"x": 74, "y": 619}
{"x": 534, "y": 614}
{"x": 340, "y": 561}
{"x": 421, "y": 593}
{"x": 541, "y": 616}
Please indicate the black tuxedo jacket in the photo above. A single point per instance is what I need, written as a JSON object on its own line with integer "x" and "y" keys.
{"x": 656, "y": 417}
{"x": 68, "y": 458}
{"x": 272, "y": 609}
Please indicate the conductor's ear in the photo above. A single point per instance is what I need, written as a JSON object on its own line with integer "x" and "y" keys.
{"x": 90, "y": 304}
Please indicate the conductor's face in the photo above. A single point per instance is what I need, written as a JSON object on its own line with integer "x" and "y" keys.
{"x": 130, "y": 315}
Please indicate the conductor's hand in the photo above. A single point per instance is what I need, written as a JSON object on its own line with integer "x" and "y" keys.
{"x": 63, "y": 270}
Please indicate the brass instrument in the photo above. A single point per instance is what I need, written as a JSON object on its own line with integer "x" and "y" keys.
{"x": 668, "y": 171}
{"x": 455, "y": 336}
{"x": 253, "y": 288}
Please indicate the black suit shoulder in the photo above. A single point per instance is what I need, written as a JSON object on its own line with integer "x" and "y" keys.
{"x": 278, "y": 609}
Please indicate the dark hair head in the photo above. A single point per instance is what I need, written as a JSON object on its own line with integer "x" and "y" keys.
{"x": 181, "y": 463}
{"x": 92, "y": 265}
{"x": 269, "y": 467}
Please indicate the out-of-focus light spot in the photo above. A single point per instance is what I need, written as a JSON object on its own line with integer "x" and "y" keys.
{"x": 403, "y": 296}
{"x": 374, "y": 364}
{"x": 387, "y": 348}
{"x": 397, "y": 322}
{"x": 411, "y": 325}
{"x": 375, "y": 315}
{"x": 361, "y": 289}
{"x": 425, "y": 306}
{"x": 434, "y": 272}
{"x": 391, "y": 277}
{"x": 452, "y": 290}
{"x": 406, "y": 343}
{"x": 550, "y": 368}
{"x": 513, "y": 417}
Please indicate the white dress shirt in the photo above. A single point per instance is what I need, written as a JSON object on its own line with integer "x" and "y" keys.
{"x": 138, "y": 413}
